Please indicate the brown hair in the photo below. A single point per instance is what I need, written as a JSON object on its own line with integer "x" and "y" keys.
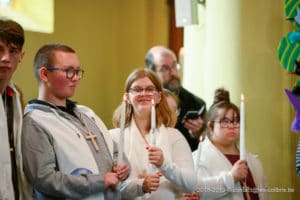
{"x": 12, "y": 33}
{"x": 221, "y": 101}
{"x": 46, "y": 54}
{"x": 164, "y": 115}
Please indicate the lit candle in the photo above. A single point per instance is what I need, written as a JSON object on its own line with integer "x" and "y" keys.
{"x": 122, "y": 129}
{"x": 152, "y": 131}
{"x": 242, "y": 130}
{"x": 199, "y": 153}
{"x": 153, "y": 124}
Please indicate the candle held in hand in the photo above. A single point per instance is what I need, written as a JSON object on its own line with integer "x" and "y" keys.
{"x": 153, "y": 124}
{"x": 122, "y": 129}
{"x": 242, "y": 130}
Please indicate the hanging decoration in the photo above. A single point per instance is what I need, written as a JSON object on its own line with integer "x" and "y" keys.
{"x": 289, "y": 57}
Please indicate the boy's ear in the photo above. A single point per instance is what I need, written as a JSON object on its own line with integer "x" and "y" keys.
{"x": 43, "y": 73}
{"x": 21, "y": 56}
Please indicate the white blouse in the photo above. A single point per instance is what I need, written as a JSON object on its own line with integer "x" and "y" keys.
{"x": 178, "y": 171}
{"x": 214, "y": 178}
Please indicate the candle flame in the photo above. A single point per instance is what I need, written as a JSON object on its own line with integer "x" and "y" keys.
{"x": 152, "y": 101}
{"x": 124, "y": 97}
{"x": 242, "y": 97}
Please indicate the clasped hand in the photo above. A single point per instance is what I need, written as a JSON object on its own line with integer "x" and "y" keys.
{"x": 151, "y": 182}
{"x": 155, "y": 156}
{"x": 119, "y": 173}
{"x": 239, "y": 170}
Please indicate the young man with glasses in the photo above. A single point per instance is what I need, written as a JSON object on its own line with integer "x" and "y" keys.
{"x": 164, "y": 62}
{"x": 67, "y": 151}
{"x": 12, "y": 180}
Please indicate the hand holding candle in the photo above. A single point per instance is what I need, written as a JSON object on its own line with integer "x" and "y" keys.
{"x": 242, "y": 130}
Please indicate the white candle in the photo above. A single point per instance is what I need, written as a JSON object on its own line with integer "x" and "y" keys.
{"x": 199, "y": 153}
{"x": 153, "y": 124}
{"x": 122, "y": 129}
{"x": 152, "y": 132}
{"x": 242, "y": 130}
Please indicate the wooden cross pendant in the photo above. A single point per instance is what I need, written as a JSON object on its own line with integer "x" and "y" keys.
{"x": 92, "y": 137}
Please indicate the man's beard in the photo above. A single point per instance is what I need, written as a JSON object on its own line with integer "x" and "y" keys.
{"x": 173, "y": 85}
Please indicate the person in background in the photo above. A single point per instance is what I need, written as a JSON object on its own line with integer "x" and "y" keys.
{"x": 164, "y": 62}
{"x": 12, "y": 180}
{"x": 67, "y": 151}
{"x": 163, "y": 170}
{"x": 221, "y": 174}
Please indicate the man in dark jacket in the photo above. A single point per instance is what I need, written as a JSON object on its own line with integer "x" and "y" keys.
{"x": 164, "y": 62}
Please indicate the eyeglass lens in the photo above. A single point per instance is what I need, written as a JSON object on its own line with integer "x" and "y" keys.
{"x": 225, "y": 123}
{"x": 167, "y": 68}
{"x": 150, "y": 90}
{"x": 70, "y": 73}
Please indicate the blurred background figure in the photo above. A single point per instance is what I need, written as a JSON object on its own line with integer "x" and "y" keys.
{"x": 13, "y": 183}
{"x": 164, "y": 62}
{"x": 172, "y": 100}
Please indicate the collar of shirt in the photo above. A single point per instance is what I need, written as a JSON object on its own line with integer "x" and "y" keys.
{"x": 70, "y": 105}
{"x": 9, "y": 91}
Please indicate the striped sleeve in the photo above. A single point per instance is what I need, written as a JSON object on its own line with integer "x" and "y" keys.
{"x": 298, "y": 159}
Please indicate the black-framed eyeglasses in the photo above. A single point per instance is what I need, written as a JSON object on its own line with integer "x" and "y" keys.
{"x": 225, "y": 123}
{"x": 150, "y": 90}
{"x": 70, "y": 72}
